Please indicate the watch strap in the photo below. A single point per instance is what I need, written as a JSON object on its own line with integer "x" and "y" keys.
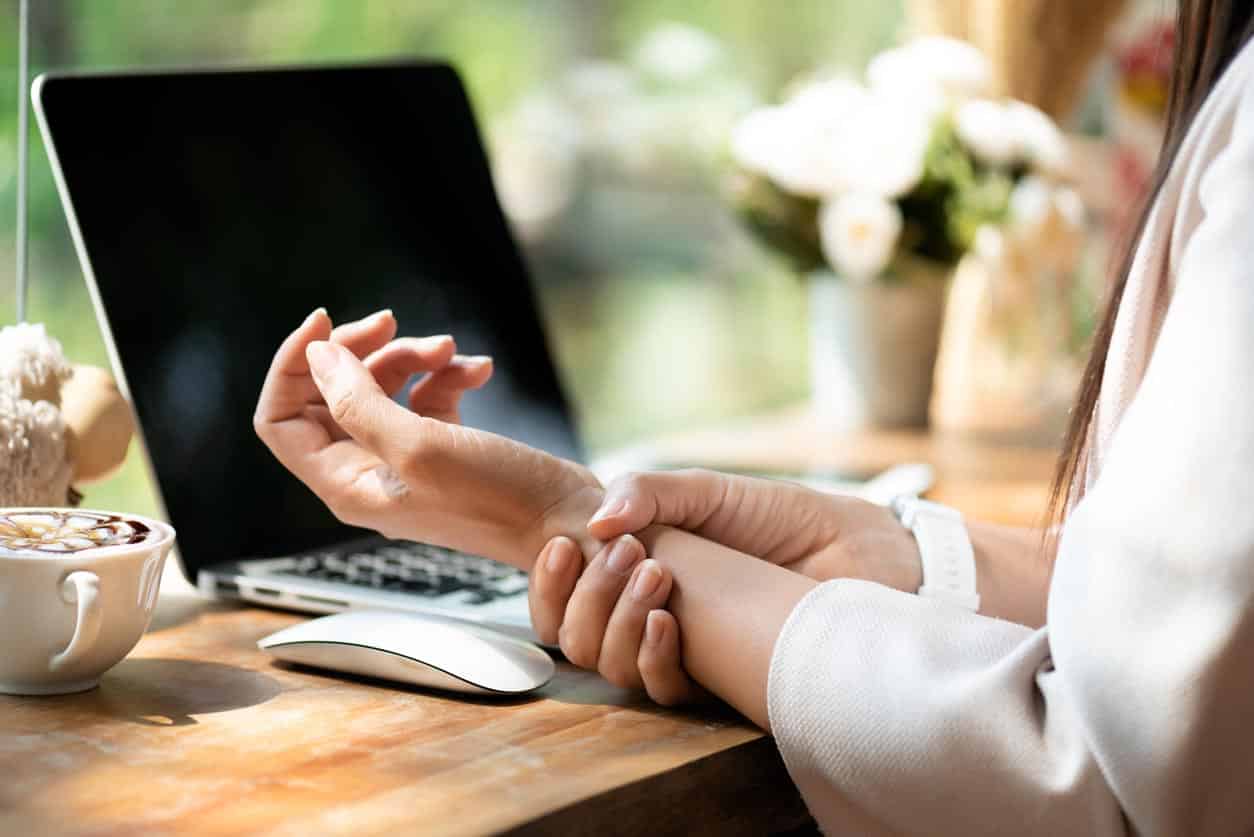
{"x": 945, "y": 549}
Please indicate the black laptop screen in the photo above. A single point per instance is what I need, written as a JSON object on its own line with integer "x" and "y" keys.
{"x": 218, "y": 209}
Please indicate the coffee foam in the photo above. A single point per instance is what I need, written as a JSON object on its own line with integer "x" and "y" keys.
{"x": 51, "y": 533}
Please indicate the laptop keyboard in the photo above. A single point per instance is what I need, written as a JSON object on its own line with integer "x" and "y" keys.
{"x": 413, "y": 568}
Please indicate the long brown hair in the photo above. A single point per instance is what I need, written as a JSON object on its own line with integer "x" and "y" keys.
{"x": 1209, "y": 33}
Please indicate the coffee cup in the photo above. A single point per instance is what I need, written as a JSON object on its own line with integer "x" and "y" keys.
{"x": 77, "y": 591}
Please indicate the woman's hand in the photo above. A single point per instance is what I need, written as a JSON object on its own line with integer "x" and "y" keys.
{"x": 824, "y": 536}
{"x": 609, "y": 616}
{"x": 819, "y": 535}
{"x": 326, "y": 413}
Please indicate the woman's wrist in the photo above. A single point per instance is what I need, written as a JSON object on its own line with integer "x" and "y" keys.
{"x": 569, "y": 518}
{"x": 875, "y": 545}
{"x": 1013, "y": 572}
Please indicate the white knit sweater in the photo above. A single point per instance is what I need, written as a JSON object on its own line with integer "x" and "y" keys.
{"x": 1132, "y": 711}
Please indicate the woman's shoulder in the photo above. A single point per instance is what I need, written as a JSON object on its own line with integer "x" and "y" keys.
{"x": 1234, "y": 91}
{"x": 1225, "y": 118}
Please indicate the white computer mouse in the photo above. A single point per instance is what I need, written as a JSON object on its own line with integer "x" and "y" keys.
{"x": 410, "y": 648}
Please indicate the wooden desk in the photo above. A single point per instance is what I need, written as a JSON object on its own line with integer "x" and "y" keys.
{"x": 197, "y": 731}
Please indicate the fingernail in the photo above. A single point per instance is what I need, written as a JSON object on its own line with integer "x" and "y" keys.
{"x": 609, "y": 508}
{"x": 322, "y": 357}
{"x": 479, "y": 360}
{"x": 313, "y": 314}
{"x": 653, "y": 628}
{"x": 647, "y": 581}
{"x": 623, "y": 556}
{"x": 558, "y": 560}
{"x": 378, "y": 315}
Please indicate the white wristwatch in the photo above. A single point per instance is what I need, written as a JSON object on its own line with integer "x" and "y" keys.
{"x": 945, "y": 546}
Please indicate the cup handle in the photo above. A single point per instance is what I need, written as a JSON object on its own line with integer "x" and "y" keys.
{"x": 83, "y": 587}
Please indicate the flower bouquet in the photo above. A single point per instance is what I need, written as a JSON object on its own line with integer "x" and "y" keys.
{"x": 876, "y": 190}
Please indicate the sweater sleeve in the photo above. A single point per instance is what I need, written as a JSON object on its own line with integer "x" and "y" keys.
{"x": 1130, "y": 712}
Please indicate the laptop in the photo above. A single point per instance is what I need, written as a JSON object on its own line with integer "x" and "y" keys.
{"x": 211, "y": 211}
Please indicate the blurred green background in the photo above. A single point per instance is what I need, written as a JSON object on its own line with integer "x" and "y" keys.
{"x": 607, "y": 121}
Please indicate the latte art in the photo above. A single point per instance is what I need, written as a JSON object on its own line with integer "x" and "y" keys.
{"x": 52, "y": 533}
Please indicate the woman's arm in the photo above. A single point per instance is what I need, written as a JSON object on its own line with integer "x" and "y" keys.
{"x": 376, "y": 464}
{"x": 327, "y": 414}
{"x": 1013, "y": 569}
{"x": 823, "y": 536}
{"x": 730, "y": 607}
{"x": 618, "y": 614}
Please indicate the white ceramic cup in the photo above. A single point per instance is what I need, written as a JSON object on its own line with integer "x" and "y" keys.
{"x": 67, "y": 619}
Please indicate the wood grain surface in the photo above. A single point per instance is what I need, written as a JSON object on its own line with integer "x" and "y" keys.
{"x": 199, "y": 732}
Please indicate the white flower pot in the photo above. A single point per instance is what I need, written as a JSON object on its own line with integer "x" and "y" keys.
{"x": 873, "y": 347}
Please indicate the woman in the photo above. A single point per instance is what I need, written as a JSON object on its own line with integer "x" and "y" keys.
{"x": 895, "y": 713}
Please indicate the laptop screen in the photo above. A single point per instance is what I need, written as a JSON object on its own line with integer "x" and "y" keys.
{"x": 218, "y": 209}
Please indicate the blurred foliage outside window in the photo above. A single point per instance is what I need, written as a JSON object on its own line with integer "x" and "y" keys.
{"x": 607, "y": 122}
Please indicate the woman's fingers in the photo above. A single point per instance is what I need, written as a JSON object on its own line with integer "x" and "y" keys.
{"x": 552, "y": 581}
{"x": 647, "y": 589}
{"x": 361, "y": 337}
{"x": 660, "y": 665}
{"x": 299, "y": 433}
{"x": 636, "y": 642}
{"x": 360, "y": 406}
{"x": 280, "y": 420}
{"x": 395, "y": 363}
{"x": 685, "y": 499}
{"x": 439, "y": 394}
{"x": 774, "y": 520}
{"x": 596, "y": 594}
{"x": 611, "y": 616}
{"x": 297, "y": 387}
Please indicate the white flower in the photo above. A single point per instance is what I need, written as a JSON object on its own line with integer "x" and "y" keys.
{"x": 881, "y": 149}
{"x": 1002, "y": 134}
{"x": 816, "y": 117}
{"x": 828, "y": 102}
{"x": 835, "y": 136}
{"x": 1040, "y": 141}
{"x": 859, "y": 233}
{"x": 987, "y": 128}
{"x": 760, "y": 139}
{"x": 792, "y": 143}
{"x": 989, "y": 245}
{"x": 784, "y": 145}
{"x": 954, "y": 68}
{"x": 678, "y": 53}
{"x": 1031, "y": 202}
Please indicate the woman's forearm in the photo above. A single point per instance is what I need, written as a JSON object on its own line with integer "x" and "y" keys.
{"x": 1013, "y": 572}
{"x": 731, "y": 608}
